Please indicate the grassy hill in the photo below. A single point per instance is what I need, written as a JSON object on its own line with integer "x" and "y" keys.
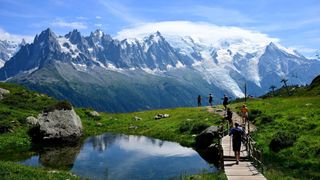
{"x": 288, "y": 130}
{"x": 311, "y": 90}
{"x": 15, "y": 144}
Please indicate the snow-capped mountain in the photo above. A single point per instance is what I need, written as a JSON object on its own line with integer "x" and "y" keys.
{"x": 153, "y": 70}
{"x": 8, "y": 49}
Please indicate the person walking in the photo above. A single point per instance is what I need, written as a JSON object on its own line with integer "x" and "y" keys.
{"x": 199, "y": 101}
{"x": 225, "y": 102}
{"x": 236, "y": 134}
{"x": 229, "y": 116}
{"x": 244, "y": 111}
{"x": 210, "y": 99}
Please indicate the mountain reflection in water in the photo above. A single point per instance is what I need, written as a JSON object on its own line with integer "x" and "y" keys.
{"x": 116, "y": 156}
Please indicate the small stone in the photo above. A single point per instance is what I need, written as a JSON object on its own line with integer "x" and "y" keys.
{"x": 94, "y": 113}
{"x": 99, "y": 124}
{"x": 136, "y": 118}
{"x": 133, "y": 127}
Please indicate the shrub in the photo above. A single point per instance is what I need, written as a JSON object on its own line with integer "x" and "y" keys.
{"x": 282, "y": 140}
{"x": 61, "y": 105}
{"x": 5, "y": 126}
{"x": 266, "y": 119}
{"x": 185, "y": 126}
{"x": 254, "y": 113}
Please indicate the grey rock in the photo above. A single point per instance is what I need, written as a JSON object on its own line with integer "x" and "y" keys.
{"x": 60, "y": 125}
{"x": 136, "y": 118}
{"x": 94, "y": 114}
{"x": 3, "y": 92}
{"x": 159, "y": 116}
{"x": 206, "y": 137}
{"x": 32, "y": 121}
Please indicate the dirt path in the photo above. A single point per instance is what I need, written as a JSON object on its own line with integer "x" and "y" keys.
{"x": 235, "y": 117}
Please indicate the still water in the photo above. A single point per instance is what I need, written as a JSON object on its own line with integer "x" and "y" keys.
{"x": 115, "y": 156}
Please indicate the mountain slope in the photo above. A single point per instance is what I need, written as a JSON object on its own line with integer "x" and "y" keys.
{"x": 154, "y": 71}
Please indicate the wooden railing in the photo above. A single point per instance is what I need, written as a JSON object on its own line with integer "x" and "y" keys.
{"x": 254, "y": 152}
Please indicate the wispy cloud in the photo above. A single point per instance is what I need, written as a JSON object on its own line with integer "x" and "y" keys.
{"x": 220, "y": 15}
{"x": 14, "y": 37}
{"x": 120, "y": 11}
{"x": 98, "y": 17}
{"x": 201, "y": 31}
{"x": 64, "y": 24}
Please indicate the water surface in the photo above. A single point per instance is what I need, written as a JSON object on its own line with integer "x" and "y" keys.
{"x": 115, "y": 156}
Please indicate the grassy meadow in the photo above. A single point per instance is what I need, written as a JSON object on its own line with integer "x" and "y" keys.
{"x": 15, "y": 143}
{"x": 288, "y": 131}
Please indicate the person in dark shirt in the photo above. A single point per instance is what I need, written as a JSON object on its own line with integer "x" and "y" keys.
{"x": 237, "y": 134}
{"x": 210, "y": 99}
{"x": 225, "y": 101}
{"x": 199, "y": 101}
{"x": 229, "y": 116}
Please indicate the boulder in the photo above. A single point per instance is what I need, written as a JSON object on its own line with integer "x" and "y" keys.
{"x": 3, "y": 92}
{"x": 32, "y": 121}
{"x": 57, "y": 125}
{"x": 206, "y": 137}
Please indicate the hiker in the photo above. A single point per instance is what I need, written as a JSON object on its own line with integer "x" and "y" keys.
{"x": 210, "y": 100}
{"x": 237, "y": 134}
{"x": 199, "y": 101}
{"x": 225, "y": 102}
{"x": 229, "y": 116}
{"x": 245, "y": 112}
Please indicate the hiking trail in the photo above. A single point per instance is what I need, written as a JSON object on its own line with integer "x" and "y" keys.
{"x": 245, "y": 168}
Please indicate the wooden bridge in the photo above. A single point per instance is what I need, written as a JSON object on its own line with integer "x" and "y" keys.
{"x": 249, "y": 154}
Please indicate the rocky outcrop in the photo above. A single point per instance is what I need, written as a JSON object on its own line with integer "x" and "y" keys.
{"x": 206, "y": 137}
{"x": 58, "y": 125}
{"x": 3, "y": 92}
{"x": 207, "y": 145}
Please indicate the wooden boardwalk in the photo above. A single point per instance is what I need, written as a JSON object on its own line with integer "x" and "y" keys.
{"x": 245, "y": 169}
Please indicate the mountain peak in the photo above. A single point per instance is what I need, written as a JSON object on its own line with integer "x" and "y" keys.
{"x": 74, "y": 36}
{"x": 46, "y": 35}
{"x": 97, "y": 33}
{"x": 156, "y": 37}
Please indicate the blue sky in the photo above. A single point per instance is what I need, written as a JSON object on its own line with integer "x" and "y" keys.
{"x": 295, "y": 23}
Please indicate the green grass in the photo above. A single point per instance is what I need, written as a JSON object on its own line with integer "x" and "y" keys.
{"x": 180, "y": 127}
{"x": 14, "y": 171}
{"x": 205, "y": 176}
{"x": 298, "y": 116}
{"x": 14, "y": 109}
{"x": 15, "y": 144}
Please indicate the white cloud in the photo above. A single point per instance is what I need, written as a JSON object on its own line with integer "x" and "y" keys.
{"x": 98, "y": 25}
{"x": 98, "y": 17}
{"x": 64, "y": 24}
{"x": 203, "y": 32}
{"x": 14, "y": 37}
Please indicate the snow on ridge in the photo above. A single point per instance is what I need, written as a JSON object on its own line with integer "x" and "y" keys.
{"x": 72, "y": 50}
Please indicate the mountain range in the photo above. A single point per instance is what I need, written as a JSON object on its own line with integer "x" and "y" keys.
{"x": 153, "y": 71}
